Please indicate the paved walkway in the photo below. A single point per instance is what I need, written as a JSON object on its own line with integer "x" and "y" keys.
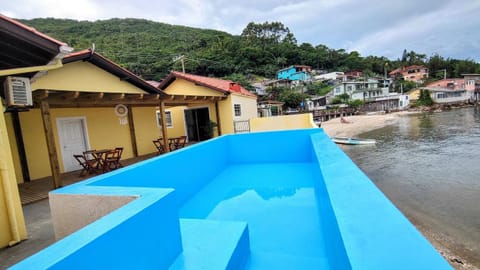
{"x": 40, "y": 234}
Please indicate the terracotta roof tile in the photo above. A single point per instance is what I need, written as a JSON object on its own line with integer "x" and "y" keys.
{"x": 33, "y": 30}
{"x": 453, "y": 84}
{"x": 226, "y": 86}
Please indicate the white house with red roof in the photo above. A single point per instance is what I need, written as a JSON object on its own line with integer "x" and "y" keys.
{"x": 450, "y": 90}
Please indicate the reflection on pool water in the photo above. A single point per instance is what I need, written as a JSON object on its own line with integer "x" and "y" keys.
{"x": 278, "y": 203}
{"x": 270, "y": 200}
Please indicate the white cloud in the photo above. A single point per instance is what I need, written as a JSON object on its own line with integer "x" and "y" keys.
{"x": 79, "y": 9}
{"x": 439, "y": 31}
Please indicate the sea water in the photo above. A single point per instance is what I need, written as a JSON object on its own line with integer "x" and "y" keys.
{"x": 428, "y": 165}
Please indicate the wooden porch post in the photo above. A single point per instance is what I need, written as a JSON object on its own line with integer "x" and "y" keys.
{"x": 52, "y": 151}
{"x": 164, "y": 126}
{"x": 219, "y": 126}
{"x": 133, "y": 137}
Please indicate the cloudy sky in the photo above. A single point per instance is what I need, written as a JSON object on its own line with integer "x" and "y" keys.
{"x": 450, "y": 28}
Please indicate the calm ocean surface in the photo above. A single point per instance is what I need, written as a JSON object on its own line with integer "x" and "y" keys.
{"x": 428, "y": 165}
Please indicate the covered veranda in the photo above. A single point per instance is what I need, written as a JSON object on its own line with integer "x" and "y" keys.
{"x": 47, "y": 100}
{"x": 51, "y": 96}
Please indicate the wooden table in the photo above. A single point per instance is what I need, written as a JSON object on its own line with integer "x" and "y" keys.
{"x": 102, "y": 156}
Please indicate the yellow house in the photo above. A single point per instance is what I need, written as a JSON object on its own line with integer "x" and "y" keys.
{"x": 235, "y": 106}
{"x": 24, "y": 52}
{"x": 413, "y": 94}
{"x": 88, "y": 103}
{"x": 93, "y": 103}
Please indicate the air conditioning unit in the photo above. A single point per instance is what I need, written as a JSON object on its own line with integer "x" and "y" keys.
{"x": 18, "y": 92}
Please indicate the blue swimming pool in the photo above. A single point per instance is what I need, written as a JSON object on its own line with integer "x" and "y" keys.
{"x": 267, "y": 200}
{"x": 278, "y": 203}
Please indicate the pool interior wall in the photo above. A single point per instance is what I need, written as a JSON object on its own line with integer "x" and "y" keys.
{"x": 268, "y": 200}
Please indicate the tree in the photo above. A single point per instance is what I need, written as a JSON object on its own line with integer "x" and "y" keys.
{"x": 424, "y": 98}
{"x": 354, "y": 61}
{"x": 318, "y": 88}
{"x": 435, "y": 64}
{"x": 355, "y": 103}
{"x": 268, "y": 33}
{"x": 416, "y": 58}
{"x": 292, "y": 99}
{"x": 404, "y": 56}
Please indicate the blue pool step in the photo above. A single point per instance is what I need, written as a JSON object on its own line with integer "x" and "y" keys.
{"x": 211, "y": 244}
{"x": 271, "y": 260}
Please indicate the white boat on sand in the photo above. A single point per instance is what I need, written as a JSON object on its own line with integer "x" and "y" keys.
{"x": 353, "y": 141}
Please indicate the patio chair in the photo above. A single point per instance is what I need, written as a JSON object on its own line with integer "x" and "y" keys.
{"x": 159, "y": 145}
{"x": 88, "y": 166}
{"x": 112, "y": 159}
{"x": 93, "y": 158}
{"x": 181, "y": 141}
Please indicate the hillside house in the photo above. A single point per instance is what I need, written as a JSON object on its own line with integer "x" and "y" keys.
{"x": 363, "y": 90}
{"x": 451, "y": 90}
{"x": 472, "y": 82}
{"x": 413, "y": 73}
{"x": 332, "y": 76}
{"x": 295, "y": 73}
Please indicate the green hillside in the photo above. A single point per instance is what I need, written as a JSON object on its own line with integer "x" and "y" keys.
{"x": 145, "y": 47}
{"x": 149, "y": 48}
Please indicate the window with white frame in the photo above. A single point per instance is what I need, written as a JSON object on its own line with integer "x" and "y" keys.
{"x": 168, "y": 119}
{"x": 237, "y": 108}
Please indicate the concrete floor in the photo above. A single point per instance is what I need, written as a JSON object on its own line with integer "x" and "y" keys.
{"x": 37, "y": 216}
{"x": 40, "y": 234}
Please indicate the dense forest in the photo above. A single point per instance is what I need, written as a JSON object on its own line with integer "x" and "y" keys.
{"x": 152, "y": 49}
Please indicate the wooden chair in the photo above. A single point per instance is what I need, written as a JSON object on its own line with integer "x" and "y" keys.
{"x": 88, "y": 166}
{"x": 112, "y": 158}
{"x": 181, "y": 141}
{"x": 159, "y": 145}
{"x": 94, "y": 159}
{"x": 172, "y": 143}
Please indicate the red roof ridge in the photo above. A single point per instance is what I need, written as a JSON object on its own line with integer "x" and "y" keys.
{"x": 225, "y": 86}
{"x": 33, "y": 30}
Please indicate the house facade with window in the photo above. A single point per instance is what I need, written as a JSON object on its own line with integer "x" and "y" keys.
{"x": 414, "y": 73}
{"x": 237, "y": 104}
{"x": 451, "y": 90}
{"x": 362, "y": 90}
{"x": 295, "y": 73}
{"x": 93, "y": 104}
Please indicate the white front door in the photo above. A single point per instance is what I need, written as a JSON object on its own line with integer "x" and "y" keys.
{"x": 72, "y": 132}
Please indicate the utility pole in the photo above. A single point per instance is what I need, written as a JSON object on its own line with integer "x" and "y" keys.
{"x": 183, "y": 63}
{"x": 444, "y": 73}
{"x": 182, "y": 60}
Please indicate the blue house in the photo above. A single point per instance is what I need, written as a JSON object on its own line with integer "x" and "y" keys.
{"x": 294, "y": 73}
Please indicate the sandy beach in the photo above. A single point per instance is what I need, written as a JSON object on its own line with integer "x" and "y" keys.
{"x": 358, "y": 124}
{"x": 363, "y": 123}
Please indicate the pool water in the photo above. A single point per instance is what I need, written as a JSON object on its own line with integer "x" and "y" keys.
{"x": 278, "y": 203}
{"x": 267, "y": 200}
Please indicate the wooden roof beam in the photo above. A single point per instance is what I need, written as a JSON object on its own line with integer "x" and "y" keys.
{"x": 68, "y": 95}
{"x": 40, "y": 94}
{"x": 151, "y": 97}
{"x": 119, "y": 96}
